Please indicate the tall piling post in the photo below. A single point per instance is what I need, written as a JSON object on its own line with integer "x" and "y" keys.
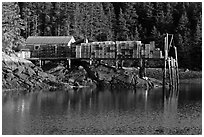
{"x": 142, "y": 63}
{"x": 40, "y": 62}
{"x": 165, "y": 60}
{"x": 170, "y": 72}
{"x": 173, "y": 73}
{"x": 176, "y": 64}
{"x": 69, "y": 63}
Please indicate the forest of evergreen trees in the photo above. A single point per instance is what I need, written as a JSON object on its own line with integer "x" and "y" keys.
{"x": 100, "y": 21}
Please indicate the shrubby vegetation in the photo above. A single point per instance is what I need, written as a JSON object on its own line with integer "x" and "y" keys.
{"x": 108, "y": 21}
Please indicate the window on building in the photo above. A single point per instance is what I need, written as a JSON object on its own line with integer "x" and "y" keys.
{"x": 36, "y": 47}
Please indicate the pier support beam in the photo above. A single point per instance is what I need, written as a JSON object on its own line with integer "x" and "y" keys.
{"x": 40, "y": 63}
{"x": 91, "y": 62}
{"x": 69, "y": 63}
{"x": 142, "y": 68}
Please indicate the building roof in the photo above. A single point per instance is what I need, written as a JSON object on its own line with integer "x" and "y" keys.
{"x": 48, "y": 39}
{"x": 80, "y": 41}
{"x": 25, "y": 50}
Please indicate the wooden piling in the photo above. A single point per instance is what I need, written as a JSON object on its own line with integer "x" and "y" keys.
{"x": 164, "y": 73}
{"x": 116, "y": 64}
{"x": 69, "y": 63}
{"x": 176, "y": 63}
{"x": 165, "y": 60}
{"x": 91, "y": 62}
{"x": 43, "y": 62}
{"x": 169, "y": 66}
{"x": 142, "y": 68}
{"x": 40, "y": 62}
{"x": 173, "y": 73}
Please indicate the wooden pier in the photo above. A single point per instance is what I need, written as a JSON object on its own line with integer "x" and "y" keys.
{"x": 168, "y": 62}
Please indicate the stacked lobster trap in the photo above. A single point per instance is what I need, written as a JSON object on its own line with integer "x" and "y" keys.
{"x": 118, "y": 49}
{"x": 128, "y": 49}
{"x": 103, "y": 49}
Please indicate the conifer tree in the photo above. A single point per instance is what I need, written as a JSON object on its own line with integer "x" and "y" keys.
{"x": 78, "y": 21}
{"x": 111, "y": 20}
{"x": 132, "y": 20}
{"x": 196, "y": 47}
{"x": 122, "y": 33}
{"x": 12, "y": 25}
{"x": 108, "y": 21}
{"x": 136, "y": 35}
{"x": 183, "y": 42}
{"x": 168, "y": 18}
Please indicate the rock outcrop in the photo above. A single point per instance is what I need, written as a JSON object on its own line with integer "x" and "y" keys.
{"x": 125, "y": 78}
{"x": 18, "y": 73}
{"x": 77, "y": 77}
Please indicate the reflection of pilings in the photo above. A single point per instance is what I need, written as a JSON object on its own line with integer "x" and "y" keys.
{"x": 146, "y": 95}
{"x": 170, "y": 106}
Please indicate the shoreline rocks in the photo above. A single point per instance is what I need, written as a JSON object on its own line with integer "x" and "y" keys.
{"x": 18, "y": 73}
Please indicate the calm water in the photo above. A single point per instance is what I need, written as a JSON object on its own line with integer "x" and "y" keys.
{"x": 104, "y": 112}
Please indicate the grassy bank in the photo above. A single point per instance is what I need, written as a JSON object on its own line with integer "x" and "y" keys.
{"x": 158, "y": 74}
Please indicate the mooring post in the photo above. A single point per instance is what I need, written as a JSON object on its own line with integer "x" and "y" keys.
{"x": 170, "y": 73}
{"x": 40, "y": 62}
{"x": 117, "y": 64}
{"x": 43, "y": 62}
{"x": 165, "y": 59}
{"x": 142, "y": 68}
{"x": 90, "y": 62}
{"x": 69, "y": 63}
{"x": 176, "y": 62}
{"x": 173, "y": 72}
{"x": 142, "y": 63}
{"x": 175, "y": 79}
{"x": 122, "y": 63}
{"x": 164, "y": 75}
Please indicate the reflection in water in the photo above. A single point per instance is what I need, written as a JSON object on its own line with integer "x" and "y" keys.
{"x": 81, "y": 101}
{"x": 35, "y": 112}
{"x": 170, "y": 106}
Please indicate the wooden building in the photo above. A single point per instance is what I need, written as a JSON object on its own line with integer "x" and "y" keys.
{"x": 24, "y": 53}
{"x": 49, "y": 46}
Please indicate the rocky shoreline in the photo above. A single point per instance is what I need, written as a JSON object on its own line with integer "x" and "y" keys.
{"x": 21, "y": 74}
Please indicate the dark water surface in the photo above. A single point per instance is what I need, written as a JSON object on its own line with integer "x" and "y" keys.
{"x": 104, "y": 112}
